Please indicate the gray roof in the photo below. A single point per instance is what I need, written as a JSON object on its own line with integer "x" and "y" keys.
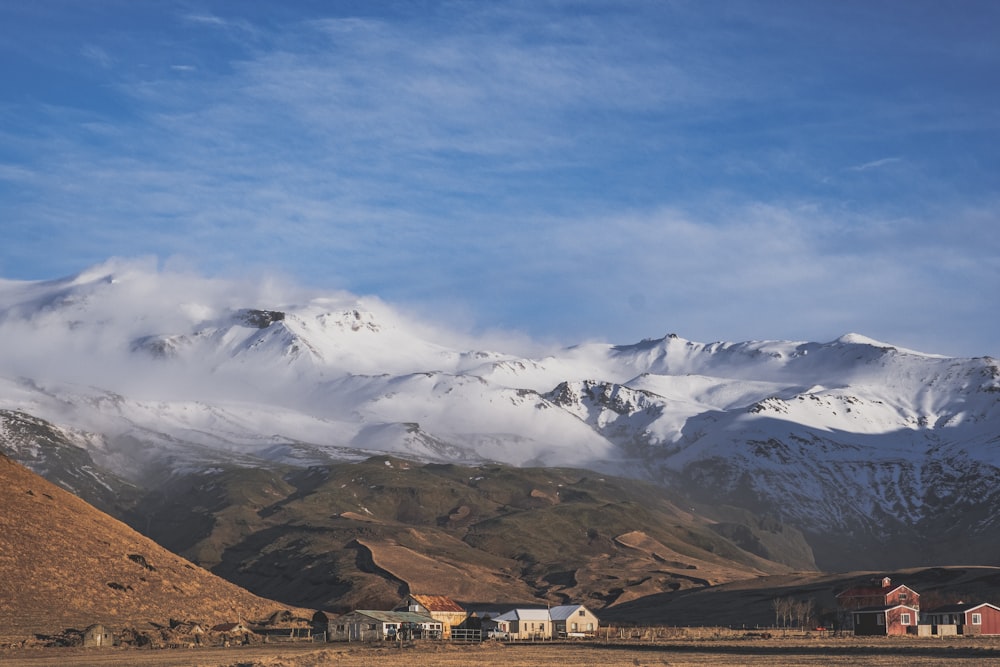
{"x": 564, "y": 611}
{"x": 961, "y": 607}
{"x": 396, "y": 616}
{"x": 883, "y": 608}
{"x": 525, "y": 615}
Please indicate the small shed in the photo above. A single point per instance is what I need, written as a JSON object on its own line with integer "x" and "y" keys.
{"x": 238, "y": 628}
{"x": 97, "y": 635}
{"x": 234, "y": 633}
{"x": 573, "y": 620}
{"x": 885, "y": 620}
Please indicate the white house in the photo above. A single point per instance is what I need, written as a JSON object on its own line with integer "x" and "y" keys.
{"x": 369, "y": 624}
{"x": 521, "y": 624}
{"x": 573, "y": 620}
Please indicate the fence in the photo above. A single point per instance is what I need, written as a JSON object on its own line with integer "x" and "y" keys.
{"x": 466, "y": 635}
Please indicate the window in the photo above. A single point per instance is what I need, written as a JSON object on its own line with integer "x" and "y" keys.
{"x": 977, "y": 619}
{"x": 904, "y": 619}
{"x": 590, "y": 627}
{"x": 880, "y": 619}
{"x": 582, "y": 613}
{"x": 572, "y": 627}
{"x": 902, "y": 597}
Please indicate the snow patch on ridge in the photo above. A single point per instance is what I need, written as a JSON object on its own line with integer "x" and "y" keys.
{"x": 163, "y": 369}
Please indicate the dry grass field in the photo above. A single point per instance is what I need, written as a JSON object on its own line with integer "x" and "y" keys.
{"x": 774, "y": 652}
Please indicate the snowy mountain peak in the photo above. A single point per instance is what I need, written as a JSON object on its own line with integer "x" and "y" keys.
{"x": 157, "y": 369}
{"x": 858, "y": 339}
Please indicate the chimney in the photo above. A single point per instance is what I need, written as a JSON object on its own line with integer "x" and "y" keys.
{"x": 886, "y": 582}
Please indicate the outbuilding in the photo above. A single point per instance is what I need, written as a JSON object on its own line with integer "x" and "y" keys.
{"x": 963, "y": 619}
{"x": 886, "y": 620}
{"x": 438, "y": 607}
{"x": 98, "y": 635}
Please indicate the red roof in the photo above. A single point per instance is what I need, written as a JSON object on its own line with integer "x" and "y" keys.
{"x": 437, "y": 603}
{"x": 228, "y": 627}
{"x": 869, "y": 591}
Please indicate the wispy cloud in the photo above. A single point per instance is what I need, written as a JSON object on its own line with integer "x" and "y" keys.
{"x": 97, "y": 55}
{"x": 207, "y": 19}
{"x": 234, "y": 27}
{"x": 530, "y": 166}
{"x": 875, "y": 164}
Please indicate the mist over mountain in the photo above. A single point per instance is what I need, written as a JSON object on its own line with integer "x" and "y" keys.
{"x": 147, "y": 374}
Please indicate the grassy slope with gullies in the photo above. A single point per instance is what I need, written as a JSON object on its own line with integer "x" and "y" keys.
{"x": 355, "y": 535}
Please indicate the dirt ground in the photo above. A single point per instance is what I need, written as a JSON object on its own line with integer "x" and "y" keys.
{"x": 772, "y": 653}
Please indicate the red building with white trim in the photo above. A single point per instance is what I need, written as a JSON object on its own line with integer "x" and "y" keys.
{"x": 885, "y": 620}
{"x": 970, "y": 619}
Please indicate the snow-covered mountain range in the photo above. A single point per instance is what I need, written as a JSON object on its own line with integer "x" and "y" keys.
{"x": 861, "y": 444}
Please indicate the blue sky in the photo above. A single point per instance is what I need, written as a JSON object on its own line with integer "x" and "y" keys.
{"x": 569, "y": 170}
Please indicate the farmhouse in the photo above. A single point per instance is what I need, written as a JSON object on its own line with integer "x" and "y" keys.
{"x": 438, "y": 607}
{"x": 520, "y": 624}
{"x": 369, "y": 624}
{"x": 572, "y": 620}
{"x": 962, "y": 619}
{"x": 880, "y": 593}
{"x": 885, "y": 620}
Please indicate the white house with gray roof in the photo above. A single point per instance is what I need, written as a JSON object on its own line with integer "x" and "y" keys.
{"x": 521, "y": 624}
{"x": 573, "y": 620}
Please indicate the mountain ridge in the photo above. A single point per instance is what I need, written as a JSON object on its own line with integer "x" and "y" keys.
{"x": 175, "y": 373}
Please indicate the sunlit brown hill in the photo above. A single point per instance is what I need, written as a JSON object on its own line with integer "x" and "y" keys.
{"x": 64, "y": 564}
{"x": 345, "y": 536}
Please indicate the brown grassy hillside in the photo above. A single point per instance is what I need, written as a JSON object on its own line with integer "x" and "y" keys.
{"x": 356, "y": 535}
{"x": 64, "y": 564}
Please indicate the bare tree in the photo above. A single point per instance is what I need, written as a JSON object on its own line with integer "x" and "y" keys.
{"x": 783, "y": 611}
{"x": 804, "y": 610}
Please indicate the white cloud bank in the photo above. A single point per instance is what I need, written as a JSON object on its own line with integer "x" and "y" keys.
{"x": 599, "y": 173}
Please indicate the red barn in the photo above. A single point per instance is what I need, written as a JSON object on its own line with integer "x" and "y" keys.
{"x": 970, "y": 619}
{"x": 885, "y": 620}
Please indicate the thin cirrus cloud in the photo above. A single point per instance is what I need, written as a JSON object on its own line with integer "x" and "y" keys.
{"x": 596, "y": 170}
{"x": 875, "y": 164}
